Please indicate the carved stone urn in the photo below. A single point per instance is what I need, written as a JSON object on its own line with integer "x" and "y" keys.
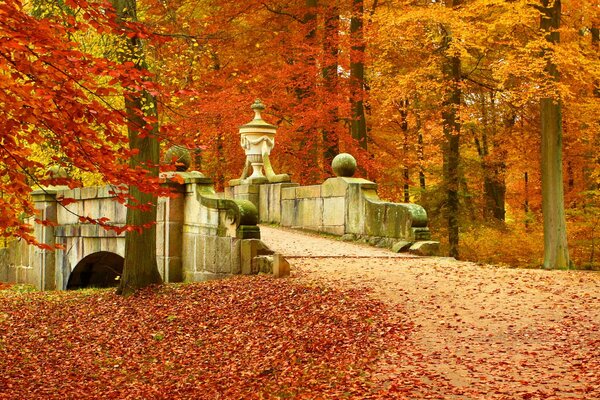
{"x": 257, "y": 138}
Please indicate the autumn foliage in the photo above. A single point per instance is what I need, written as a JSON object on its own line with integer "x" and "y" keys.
{"x": 208, "y": 60}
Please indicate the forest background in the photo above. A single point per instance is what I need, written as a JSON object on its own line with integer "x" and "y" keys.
{"x": 438, "y": 101}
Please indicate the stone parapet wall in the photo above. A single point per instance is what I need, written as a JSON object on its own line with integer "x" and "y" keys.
{"x": 200, "y": 235}
{"x": 342, "y": 206}
{"x": 94, "y": 202}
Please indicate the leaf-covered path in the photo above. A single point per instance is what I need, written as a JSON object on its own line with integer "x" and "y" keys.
{"x": 352, "y": 322}
{"x": 478, "y": 331}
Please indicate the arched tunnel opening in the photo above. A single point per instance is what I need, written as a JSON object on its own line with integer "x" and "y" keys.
{"x": 98, "y": 270}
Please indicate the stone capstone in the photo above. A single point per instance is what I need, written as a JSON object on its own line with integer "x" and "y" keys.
{"x": 425, "y": 248}
{"x": 344, "y": 165}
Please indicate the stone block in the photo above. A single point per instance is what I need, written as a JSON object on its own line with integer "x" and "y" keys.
{"x": 246, "y": 189}
{"x": 173, "y": 233}
{"x": 160, "y": 239}
{"x": 425, "y": 248}
{"x": 120, "y": 247}
{"x": 192, "y": 209}
{"x": 90, "y": 245}
{"x": 247, "y": 232}
{"x": 288, "y": 193}
{"x": 120, "y": 213}
{"x": 102, "y": 192}
{"x": 310, "y": 213}
{"x": 89, "y": 230}
{"x": 421, "y": 233}
{"x": 334, "y": 187}
{"x": 262, "y": 264}
{"x": 190, "y": 255}
{"x": 337, "y": 230}
{"x": 355, "y": 210}
{"x": 75, "y": 194}
{"x": 281, "y": 267}
{"x": 207, "y": 246}
{"x": 270, "y": 197}
{"x": 313, "y": 191}
{"x": 175, "y": 209}
{"x": 90, "y": 192}
{"x": 247, "y": 253}
{"x": 288, "y": 213}
{"x": 160, "y": 209}
{"x": 236, "y": 265}
{"x": 400, "y": 246}
{"x": 334, "y": 211}
{"x": 223, "y": 255}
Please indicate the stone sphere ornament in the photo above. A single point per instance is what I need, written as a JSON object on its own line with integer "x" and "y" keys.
{"x": 344, "y": 165}
{"x": 57, "y": 172}
{"x": 180, "y": 156}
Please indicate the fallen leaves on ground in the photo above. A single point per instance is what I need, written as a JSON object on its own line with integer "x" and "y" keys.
{"x": 239, "y": 338}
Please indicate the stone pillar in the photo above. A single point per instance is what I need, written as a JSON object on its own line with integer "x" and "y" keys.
{"x": 44, "y": 260}
{"x": 169, "y": 233}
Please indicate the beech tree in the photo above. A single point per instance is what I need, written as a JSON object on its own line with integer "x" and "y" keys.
{"x": 556, "y": 253}
{"x": 140, "y": 268}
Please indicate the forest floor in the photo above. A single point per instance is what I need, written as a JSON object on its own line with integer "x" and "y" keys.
{"x": 477, "y": 331}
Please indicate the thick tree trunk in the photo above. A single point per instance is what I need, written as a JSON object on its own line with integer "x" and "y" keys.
{"x": 357, "y": 74}
{"x": 140, "y": 268}
{"x": 556, "y": 254}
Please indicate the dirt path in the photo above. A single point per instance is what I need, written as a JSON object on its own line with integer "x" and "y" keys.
{"x": 479, "y": 331}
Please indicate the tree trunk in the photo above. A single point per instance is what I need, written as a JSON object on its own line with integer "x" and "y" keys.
{"x": 420, "y": 152}
{"x": 451, "y": 69}
{"x": 357, "y": 75}
{"x": 494, "y": 185}
{"x": 330, "y": 82}
{"x": 556, "y": 253}
{"x": 140, "y": 268}
{"x": 403, "y": 109}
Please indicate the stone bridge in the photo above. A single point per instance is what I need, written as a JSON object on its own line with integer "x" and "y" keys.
{"x": 203, "y": 235}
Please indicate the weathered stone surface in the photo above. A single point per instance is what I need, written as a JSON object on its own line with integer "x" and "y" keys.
{"x": 334, "y": 187}
{"x": 270, "y": 197}
{"x": 337, "y": 230}
{"x": 349, "y": 237}
{"x": 288, "y": 212}
{"x": 425, "y": 248}
{"x": 334, "y": 211}
{"x": 400, "y": 246}
{"x": 288, "y": 193}
{"x": 313, "y": 191}
{"x": 310, "y": 214}
{"x": 281, "y": 267}
{"x": 262, "y": 264}
{"x": 344, "y": 164}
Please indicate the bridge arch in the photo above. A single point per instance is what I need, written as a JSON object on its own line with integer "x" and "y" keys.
{"x": 100, "y": 270}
